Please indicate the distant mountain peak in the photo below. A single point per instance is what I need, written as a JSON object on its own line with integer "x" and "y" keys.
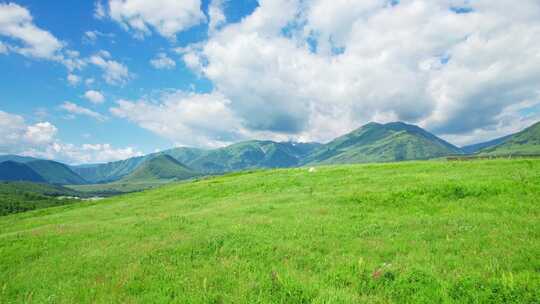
{"x": 372, "y": 124}
{"x": 402, "y": 125}
{"x": 160, "y": 167}
{"x": 375, "y": 142}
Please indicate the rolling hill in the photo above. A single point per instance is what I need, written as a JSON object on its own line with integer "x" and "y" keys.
{"x": 161, "y": 167}
{"x": 14, "y": 171}
{"x": 56, "y": 173}
{"x": 526, "y": 142}
{"x": 378, "y": 233}
{"x": 382, "y": 143}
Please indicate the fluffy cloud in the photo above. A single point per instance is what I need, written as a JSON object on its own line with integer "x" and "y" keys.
{"x": 314, "y": 70}
{"x": 29, "y": 40}
{"x": 216, "y": 15}
{"x": 167, "y": 17}
{"x": 162, "y": 61}
{"x": 39, "y": 140}
{"x": 99, "y": 10}
{"x": 89, "y": 81}
{"x": 73, "y": 79}
{"x": 3, "y": 48}
{"x": 114, "y": 72}
{"x": 83, "y": 154}
{"x": 16, "y": 134}
{"x": 40, "y": 133}
{"x": 90, "y": 37}
{"x": 72, "y": 60}
{"x": 78, "y": 110}
{"x": 185, "y": 118}
{"x": 94, "y": 96}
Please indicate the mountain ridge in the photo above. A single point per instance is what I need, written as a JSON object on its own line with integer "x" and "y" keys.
{"x": 376, "y": 142}
{"x": 524, "y": 142}
{"x": 471, "y": 149}
{"x": 56, "y": 173}
{"x": 15, "y": 171}
{"x": 160, "y": 167}
{"x": 372, "y": 142}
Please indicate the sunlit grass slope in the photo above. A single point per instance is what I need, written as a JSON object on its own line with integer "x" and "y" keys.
{"x": 417, "y": 232}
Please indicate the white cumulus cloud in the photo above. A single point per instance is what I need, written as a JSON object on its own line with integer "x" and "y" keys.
{"x": 114, "y": 72}
{"x": 40, "y": 140}
{"x": 166, "y": 17}
{"x": 73, "y": 79}
{"x": 3, "y": 48}
{"x": 95, "y": 97}
{"x": 83, "y": 154}
{"x": 16, "y": 134}
{"x": 216, "y": 15}
{"x": 16, "y": 23}
{"x": 90, "y": 37}
{"x": 78, "y": 110}
{"x": 162, "y": 61}
{"x": 99, "y": 10}
{"x": 313, "y": 70}
{"x": 185, "y": 118}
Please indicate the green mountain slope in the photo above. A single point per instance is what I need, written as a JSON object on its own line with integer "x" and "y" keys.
{"x": 114, "y": 171}
{"x": 56, "y": 173}
{"x": 524, "y": 143}
{"x": 16, "y": 158}
{"x": 184, "y": 155}
{"x": 250, "y": 155}
{"x": 14, "y": 171}
{"x": 161, "y": 167}
{"x": 412, "y": 232}
{"x": 37, "y": 188}
{"x": 103, "y": 173}
{"x": 382, "y": 143}
{"x": 470, "y": 149}
{"x": 156, "y": 171}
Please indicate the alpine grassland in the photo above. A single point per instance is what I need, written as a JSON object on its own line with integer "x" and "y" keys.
{"x": 410, "y": 232}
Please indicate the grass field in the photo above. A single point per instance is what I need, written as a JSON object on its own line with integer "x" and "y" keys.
{"x": 118, "y": 187}
{"x": 415, "y": 232}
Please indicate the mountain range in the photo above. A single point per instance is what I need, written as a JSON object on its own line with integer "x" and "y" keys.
{"x": 526, "y": 142}
{"x": 382, "y": 143}
{"x": 372, "y": 142}
{"x": 14, "y": 171}
{"x": 160, "y": 167}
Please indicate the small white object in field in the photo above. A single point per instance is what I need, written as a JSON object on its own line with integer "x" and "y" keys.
{"x": 312, "y": 169}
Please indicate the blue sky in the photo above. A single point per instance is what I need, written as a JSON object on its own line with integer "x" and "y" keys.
{"x": 32, "y": 85}
{"x": 92, "y": 81}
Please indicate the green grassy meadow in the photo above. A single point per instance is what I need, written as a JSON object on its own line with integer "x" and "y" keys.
{"x": 412, "y": 232}
{"x": 118, "y": 187}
